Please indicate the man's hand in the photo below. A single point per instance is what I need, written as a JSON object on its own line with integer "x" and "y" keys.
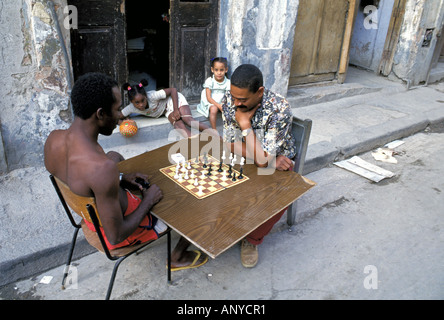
{"x": 283, "y": 163}
{"x": 132, "y": 177}
{"x": 243, "y": 116}
{"x": 153, "y": 194}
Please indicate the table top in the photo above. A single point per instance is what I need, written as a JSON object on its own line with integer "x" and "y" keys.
{"x": 217, "y": 222}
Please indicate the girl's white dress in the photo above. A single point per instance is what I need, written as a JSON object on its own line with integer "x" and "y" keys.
{"x": 218, "y": 90}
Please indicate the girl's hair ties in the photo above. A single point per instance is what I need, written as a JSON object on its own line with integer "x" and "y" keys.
{"x": 140, "y": 85}
{"x": 129, "y": 88}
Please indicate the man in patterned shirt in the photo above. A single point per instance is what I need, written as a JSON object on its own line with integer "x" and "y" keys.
{"x": 257, "y": 124}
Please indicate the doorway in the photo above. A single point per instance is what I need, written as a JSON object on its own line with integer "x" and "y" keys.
{"x": 170, "y": 44}
{"x": 318, "y": 41}
{"x": 148, "y": 41}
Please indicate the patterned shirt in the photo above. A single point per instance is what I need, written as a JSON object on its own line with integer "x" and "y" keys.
{"x": 271, "y": 124}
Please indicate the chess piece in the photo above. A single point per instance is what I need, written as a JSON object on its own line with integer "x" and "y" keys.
{"x": 234, "y": 176}
{"x": 220, "y": 167}
{"x": 240, "y": 176}
{"x": 196, "y": 183}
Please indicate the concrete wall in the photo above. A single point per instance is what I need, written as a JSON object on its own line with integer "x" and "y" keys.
{"x": 412, "y": 61}
{"x": 33, "y": 82}
{"x": 260, "y": 33}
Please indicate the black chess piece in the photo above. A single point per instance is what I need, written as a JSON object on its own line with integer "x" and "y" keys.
{"x": 234, "y": 176}
{"x": 209, "y": 170}
{"x": 229, "y": 169}
{"x": 240, "y": 176}
{"x": 220, "y": 167}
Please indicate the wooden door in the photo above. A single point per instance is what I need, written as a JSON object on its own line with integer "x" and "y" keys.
{"x": 99, "y": 43}
{"x": 318, "y": 41}
{"x": 385, "y": 66}
{"x": 194, "y": 32}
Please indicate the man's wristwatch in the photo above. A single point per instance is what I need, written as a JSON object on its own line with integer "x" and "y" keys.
{"x": 246, "y": 132}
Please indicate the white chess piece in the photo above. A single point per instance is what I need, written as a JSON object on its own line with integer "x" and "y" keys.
{"x": 176, "y": 176}
{"x": 192, "y": 175}
{"x": 242, "y": 162}
{"x": 196, "y": 183}
{"x": 224, "y": 176}
{"x": 223, "y": 155}
{"x": 189, "y": 166}
{"x": 231, "y": 156}
{"x": 180, "y": 178}
{"x": 200, "y": 189}
{"x": 186, "y": 175}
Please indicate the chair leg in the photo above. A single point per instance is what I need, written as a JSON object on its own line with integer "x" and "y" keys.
{"x": 68, "y": 263}
{"x": 169, "y": 256}
{"x": 113, "y": 277}
{"x": 290, "y": 214}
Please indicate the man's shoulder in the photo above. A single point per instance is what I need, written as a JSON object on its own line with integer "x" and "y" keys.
{"x": 274, "y": 103}
{"x": 274, "y": 97}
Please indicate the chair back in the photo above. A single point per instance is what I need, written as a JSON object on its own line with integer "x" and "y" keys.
{"x": 77, "y": 203}
{"x": 301, "y": 130}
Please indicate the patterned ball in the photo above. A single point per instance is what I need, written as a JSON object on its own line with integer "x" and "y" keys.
{"x": 128, "y": 128}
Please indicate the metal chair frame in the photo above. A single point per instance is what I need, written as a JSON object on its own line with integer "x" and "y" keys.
{"x": 301, "y": 130}
{"x": 96, "y": 222}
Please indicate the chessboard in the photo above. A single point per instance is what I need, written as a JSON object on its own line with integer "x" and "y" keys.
{"x": 202, "y": 176}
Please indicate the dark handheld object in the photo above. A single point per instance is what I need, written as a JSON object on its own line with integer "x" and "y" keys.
{"x": 143, "y": 183}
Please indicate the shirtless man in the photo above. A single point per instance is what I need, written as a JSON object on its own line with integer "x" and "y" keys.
{"x": 75, "y": 157}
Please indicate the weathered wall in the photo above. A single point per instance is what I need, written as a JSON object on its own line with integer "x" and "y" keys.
{"x": 33, "y": 84}
{"x": 412, "y": 61}
{"x": 260, "y": 33}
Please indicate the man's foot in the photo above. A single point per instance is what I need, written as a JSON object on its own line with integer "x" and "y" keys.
{"x": 249, "y": 254}
{"x": 192, "y": 259}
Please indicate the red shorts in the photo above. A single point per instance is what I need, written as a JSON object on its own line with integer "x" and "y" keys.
{"x": 144, "y": 232}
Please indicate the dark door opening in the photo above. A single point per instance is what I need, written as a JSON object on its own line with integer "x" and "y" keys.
{"x": 148, "y": 42}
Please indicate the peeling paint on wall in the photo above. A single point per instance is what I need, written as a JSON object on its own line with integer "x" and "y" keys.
{"x": 33, "y": 83}
{"x": 260, "y": 33}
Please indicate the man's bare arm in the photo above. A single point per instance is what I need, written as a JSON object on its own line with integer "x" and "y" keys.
{"x": 106, "y": 191}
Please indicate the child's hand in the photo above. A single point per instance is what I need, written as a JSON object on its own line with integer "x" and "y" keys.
{"x": 176, "y": 115}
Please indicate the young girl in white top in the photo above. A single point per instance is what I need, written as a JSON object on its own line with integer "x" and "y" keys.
{"x": 166, "y": 102}
{"x": 215, "y": 88}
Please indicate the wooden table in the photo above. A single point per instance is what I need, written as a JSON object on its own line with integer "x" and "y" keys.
{"x": 217, "y": 222}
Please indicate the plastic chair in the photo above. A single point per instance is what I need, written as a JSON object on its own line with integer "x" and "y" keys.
{"x": 301, "y": 130}
{"x": 85, "y": 207}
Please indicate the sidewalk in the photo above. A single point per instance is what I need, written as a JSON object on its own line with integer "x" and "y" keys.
{"x": 360, "y": 115}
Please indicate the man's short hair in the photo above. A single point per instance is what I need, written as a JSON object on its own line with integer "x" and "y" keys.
{"x": 247, "y": 76}
{"x": 91, "y": 92}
